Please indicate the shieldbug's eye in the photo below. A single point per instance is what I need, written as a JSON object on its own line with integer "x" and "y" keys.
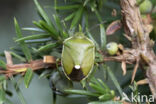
{"x": 78, "y": 55}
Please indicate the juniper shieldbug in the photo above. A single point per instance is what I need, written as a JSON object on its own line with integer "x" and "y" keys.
{"x": 78, "y": 56}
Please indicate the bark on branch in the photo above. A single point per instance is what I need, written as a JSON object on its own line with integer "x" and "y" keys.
{"x": 141, "y": 42}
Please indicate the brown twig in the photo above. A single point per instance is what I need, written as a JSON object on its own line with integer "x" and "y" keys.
{"x": 123, "y": 67}
{"x": 135, "y": 70}
{"x": 8, "y": 58}
{"x": 143, "y": 82}
{"x": 13, "y": 69}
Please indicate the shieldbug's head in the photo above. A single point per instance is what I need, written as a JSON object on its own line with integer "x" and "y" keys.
{"x": 78, "y": 56}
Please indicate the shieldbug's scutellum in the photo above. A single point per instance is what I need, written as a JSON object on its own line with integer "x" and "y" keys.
{"x": 78, "y": 56}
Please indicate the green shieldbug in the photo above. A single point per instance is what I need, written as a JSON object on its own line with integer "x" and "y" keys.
{"x": 78, "y": 57}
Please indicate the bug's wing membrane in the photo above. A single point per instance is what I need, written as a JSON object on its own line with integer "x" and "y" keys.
{"x": 67, "y": 61}
{"x": 88, "y": 61}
